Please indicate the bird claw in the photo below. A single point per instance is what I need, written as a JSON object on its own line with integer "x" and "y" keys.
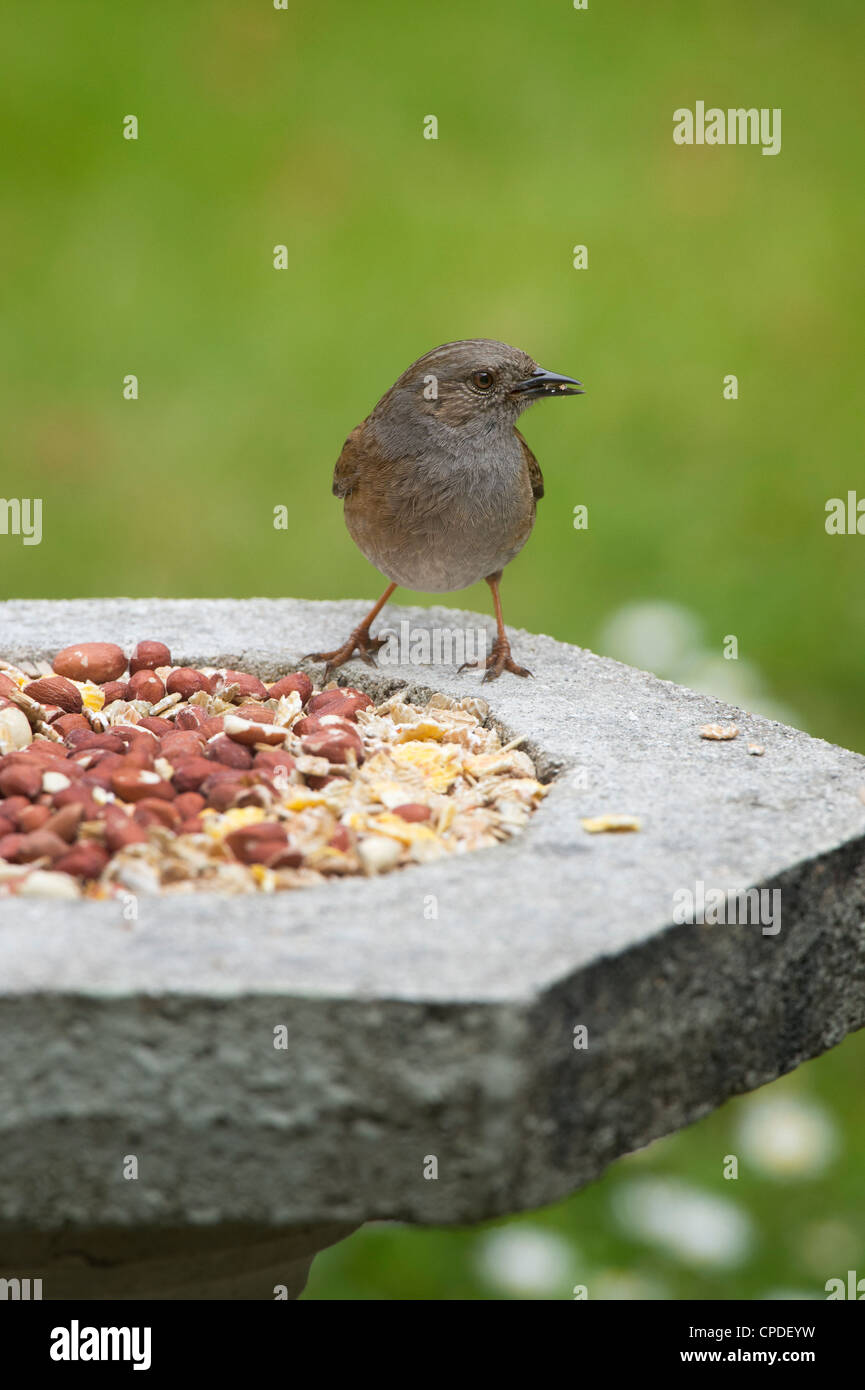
{"x": 499, "y": 660}
{"x": 360, "y": 642}
{"x": 493, "y": 672}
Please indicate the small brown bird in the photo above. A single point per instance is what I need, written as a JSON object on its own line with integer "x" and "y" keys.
{"x": 440, "y": 486}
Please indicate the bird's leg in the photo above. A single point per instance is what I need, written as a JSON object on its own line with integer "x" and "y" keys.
{"x": 358, "y": 641}
{"x": 500, "y": 658}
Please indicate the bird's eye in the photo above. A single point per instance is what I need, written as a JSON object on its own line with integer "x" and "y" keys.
{"x": 483, "y": 380}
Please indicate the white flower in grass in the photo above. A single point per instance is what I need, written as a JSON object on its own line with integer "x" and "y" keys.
{"x": 786, "y": 1137}
{"x": 656, "y": 636}
{"x": 696, "y": 1227}
{"x": 527, "y": 1260}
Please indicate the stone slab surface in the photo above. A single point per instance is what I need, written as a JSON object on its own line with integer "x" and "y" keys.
{"x": 410, "y": 1037}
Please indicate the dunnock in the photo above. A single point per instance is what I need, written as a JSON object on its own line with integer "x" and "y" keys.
{"x": 439, "y": 485}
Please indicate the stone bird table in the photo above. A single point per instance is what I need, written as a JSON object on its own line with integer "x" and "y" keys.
{"x": 410, "y": 1037}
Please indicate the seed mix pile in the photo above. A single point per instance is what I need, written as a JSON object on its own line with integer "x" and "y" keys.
{"x": 140, "y": 776}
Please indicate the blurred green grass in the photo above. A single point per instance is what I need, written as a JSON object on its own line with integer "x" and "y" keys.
{"x": 260, "y": 127}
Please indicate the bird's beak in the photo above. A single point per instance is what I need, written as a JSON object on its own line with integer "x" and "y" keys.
{"x": 542, "y": 383}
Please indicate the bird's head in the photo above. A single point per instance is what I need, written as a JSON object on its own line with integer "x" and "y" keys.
{"x": 476, "y": 383}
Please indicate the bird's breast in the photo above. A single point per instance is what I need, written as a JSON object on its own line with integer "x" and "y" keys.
{"x": 442, "y": 523}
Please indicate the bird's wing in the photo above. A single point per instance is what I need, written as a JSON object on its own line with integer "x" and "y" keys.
{"x": 536, "y": 477}
{"x": 347, "y": 470}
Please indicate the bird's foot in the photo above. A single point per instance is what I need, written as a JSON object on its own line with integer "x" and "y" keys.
{"x": 360, "y": 641}
{"x": 499, "y": 660}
